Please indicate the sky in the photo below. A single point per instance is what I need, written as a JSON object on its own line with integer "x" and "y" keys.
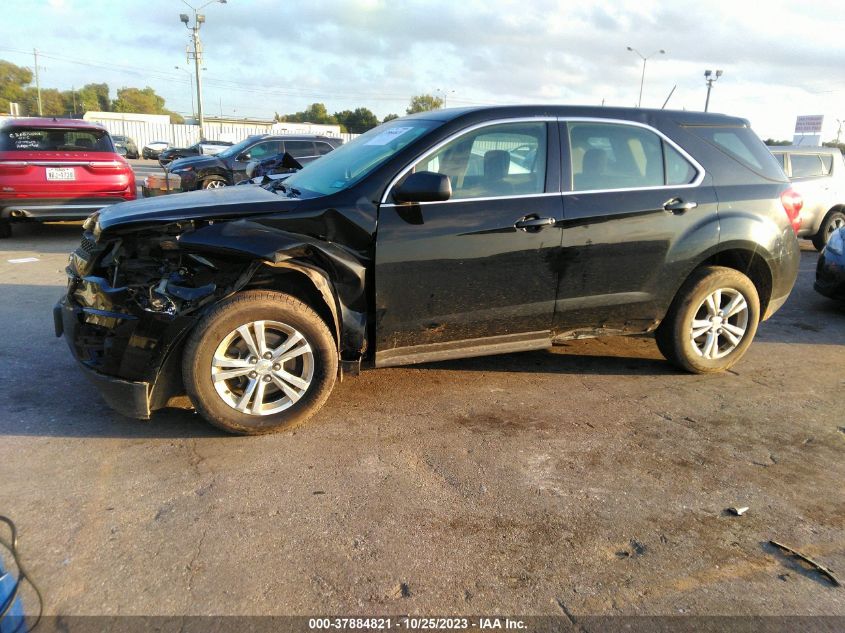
{"x": 779, "y": 59}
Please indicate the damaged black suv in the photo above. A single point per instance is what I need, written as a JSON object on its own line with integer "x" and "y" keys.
{"x": 446, "y": 234}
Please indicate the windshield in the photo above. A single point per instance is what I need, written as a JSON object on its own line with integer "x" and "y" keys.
{"x": 350, "y": 162}
{"x": 236, "y": 149}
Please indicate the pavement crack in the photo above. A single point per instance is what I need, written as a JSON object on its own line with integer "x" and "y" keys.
{"x": 192, "y": 564}
{"x": 572, "y": 620}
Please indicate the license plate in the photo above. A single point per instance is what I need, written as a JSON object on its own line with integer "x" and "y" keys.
{"x": 61, "y": 173}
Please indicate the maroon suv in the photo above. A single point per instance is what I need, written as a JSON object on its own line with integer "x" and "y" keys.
{"x": 58, "y": 169}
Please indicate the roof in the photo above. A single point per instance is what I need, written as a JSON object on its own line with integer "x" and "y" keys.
{"x": 52, "y": 122}
{"x": 633, "y": 114}
{"x": 815, "y": 149}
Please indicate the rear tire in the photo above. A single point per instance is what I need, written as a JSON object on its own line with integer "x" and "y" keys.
{"x": 833, "y": 221}
{"x": 711, "y": 322}
{"x": 5, "y": 229}
{"x": 236, "y": 367}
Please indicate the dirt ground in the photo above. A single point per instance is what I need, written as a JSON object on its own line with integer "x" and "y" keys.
{"x": 591, "y": 479}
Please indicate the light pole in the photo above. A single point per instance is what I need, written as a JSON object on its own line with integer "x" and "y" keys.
{"x": 191, "y": 82}
{"x": 196, "y": 55}
{"x": 838, "y": 130}
{"x": 444, "y": 93}
{"x": 710, "y": 77}
{"x": 642, "y": 78}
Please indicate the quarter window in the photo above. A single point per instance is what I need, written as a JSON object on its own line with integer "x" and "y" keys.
{"x": 499, "y": 160}
{"x": 323, "y": 148}
{"x": 618, "y": 156}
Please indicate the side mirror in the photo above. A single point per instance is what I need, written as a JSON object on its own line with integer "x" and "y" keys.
{"x": 424, "y": 186}
{"x": 242, "y": 157}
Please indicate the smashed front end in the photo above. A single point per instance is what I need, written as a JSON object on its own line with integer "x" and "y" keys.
{"x": 130, "y": 302}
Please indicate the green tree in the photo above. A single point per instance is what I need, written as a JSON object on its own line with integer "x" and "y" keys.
{"x": 315, "y": 113}
{"x": 773, "y": 143}
{"x": 389, "y": 117}
{"x": 52, "y": 102}
{"x": 358, "y": 121}
{"x": 94, "y": 97}
{"x": 13, "y": 82}
{"x": 424, "y": 103}
{"x": 140, "y": 101}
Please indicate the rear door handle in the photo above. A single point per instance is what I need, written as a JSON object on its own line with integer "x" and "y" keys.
{"x": 678, "y": 206}
{"x": 533, "y": 222}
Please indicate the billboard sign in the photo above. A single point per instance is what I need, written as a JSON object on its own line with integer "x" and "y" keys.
{"x": 809, "y": 124}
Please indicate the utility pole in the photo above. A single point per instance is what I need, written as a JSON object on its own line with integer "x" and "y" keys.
{"x": 838, "y": 130}
{"x": 37, "y": 82}
{"x": 196, "y": 54}
{"x": 710, "y": 77}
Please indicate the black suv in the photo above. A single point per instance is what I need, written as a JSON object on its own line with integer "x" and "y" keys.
{"x": 229, "y": 166}
{"x": 207, "y": 148}
{"x": 446, "y": 234}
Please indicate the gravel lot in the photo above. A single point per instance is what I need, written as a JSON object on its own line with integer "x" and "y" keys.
{"x": 591, "y": 479}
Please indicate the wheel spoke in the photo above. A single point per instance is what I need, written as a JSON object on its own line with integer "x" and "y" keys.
{"x": 733, "y": 329}
{"x": 243, "y": 403}
{"x": 302, "y": 347}
{"x": 260, "y": 338}
{"x": 711, "y": 345}
{"x": 292, "y": 340}
{"x": 289, "y": 391}
{"x": 700, "y": 326}
{"x": 246, "y": 335}
{"x": 258, "y": 401}
{"x": 232, "y": 373}
{"x": 730, "y": 336}
{"x": 225, "y": 361}
{"x": 291, "y": 379}
{"x": 712, "y": 306}
{"x": 737, "y": 304}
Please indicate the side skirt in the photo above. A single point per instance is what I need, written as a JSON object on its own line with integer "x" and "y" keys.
{"x": 503, "y": 344}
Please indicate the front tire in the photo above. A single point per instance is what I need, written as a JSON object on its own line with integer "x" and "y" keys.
{"x": 711, "y": 322}
{"x": 259, "y": 362}
{"x": 833, "y": 221}
{"x": 213, "y": 182}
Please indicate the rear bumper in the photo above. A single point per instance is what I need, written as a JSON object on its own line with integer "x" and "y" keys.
{"x": 52, "y": 209}
{"x": 129, "y": 398}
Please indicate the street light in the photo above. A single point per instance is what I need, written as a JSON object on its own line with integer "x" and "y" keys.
{"x": 444, "y": 92}
{"x": 196, "y": 54}
{"x": 710, "y": 77}
{"x": 191, "y": 81}
{"x": 642, "y": 78}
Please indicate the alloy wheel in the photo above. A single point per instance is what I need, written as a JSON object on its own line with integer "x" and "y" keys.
{"x": 262, "y": 367}
{"x": 719, "y": 324}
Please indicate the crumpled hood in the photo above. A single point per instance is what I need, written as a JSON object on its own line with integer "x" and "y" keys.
{"x": 227, "y": 202}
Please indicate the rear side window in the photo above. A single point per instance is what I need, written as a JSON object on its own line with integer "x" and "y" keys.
{"x": 806, "y": 165}
{"x": 54, "y": 140}
{"x": 608, "y": 156}
{"x": 741, "y": 144}
{"x": 323, "y": 148}
{"x": 300, "y": 149}
{"x": 827, "y": 163}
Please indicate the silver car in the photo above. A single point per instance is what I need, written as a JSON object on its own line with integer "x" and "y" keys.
{"x": 818, "y": 174}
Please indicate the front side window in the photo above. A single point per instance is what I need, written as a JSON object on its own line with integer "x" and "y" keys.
{"x": 618, "y": 156}
{"x": 494, "y": 161}
{"x": 263, "y": 150}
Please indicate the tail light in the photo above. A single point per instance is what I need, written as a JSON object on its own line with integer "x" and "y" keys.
{"x": 792, "y": 203}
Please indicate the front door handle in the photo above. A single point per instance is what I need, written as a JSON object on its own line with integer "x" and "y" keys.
{"x": 678, "y": 206}
{"x": 533, "y": 222}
